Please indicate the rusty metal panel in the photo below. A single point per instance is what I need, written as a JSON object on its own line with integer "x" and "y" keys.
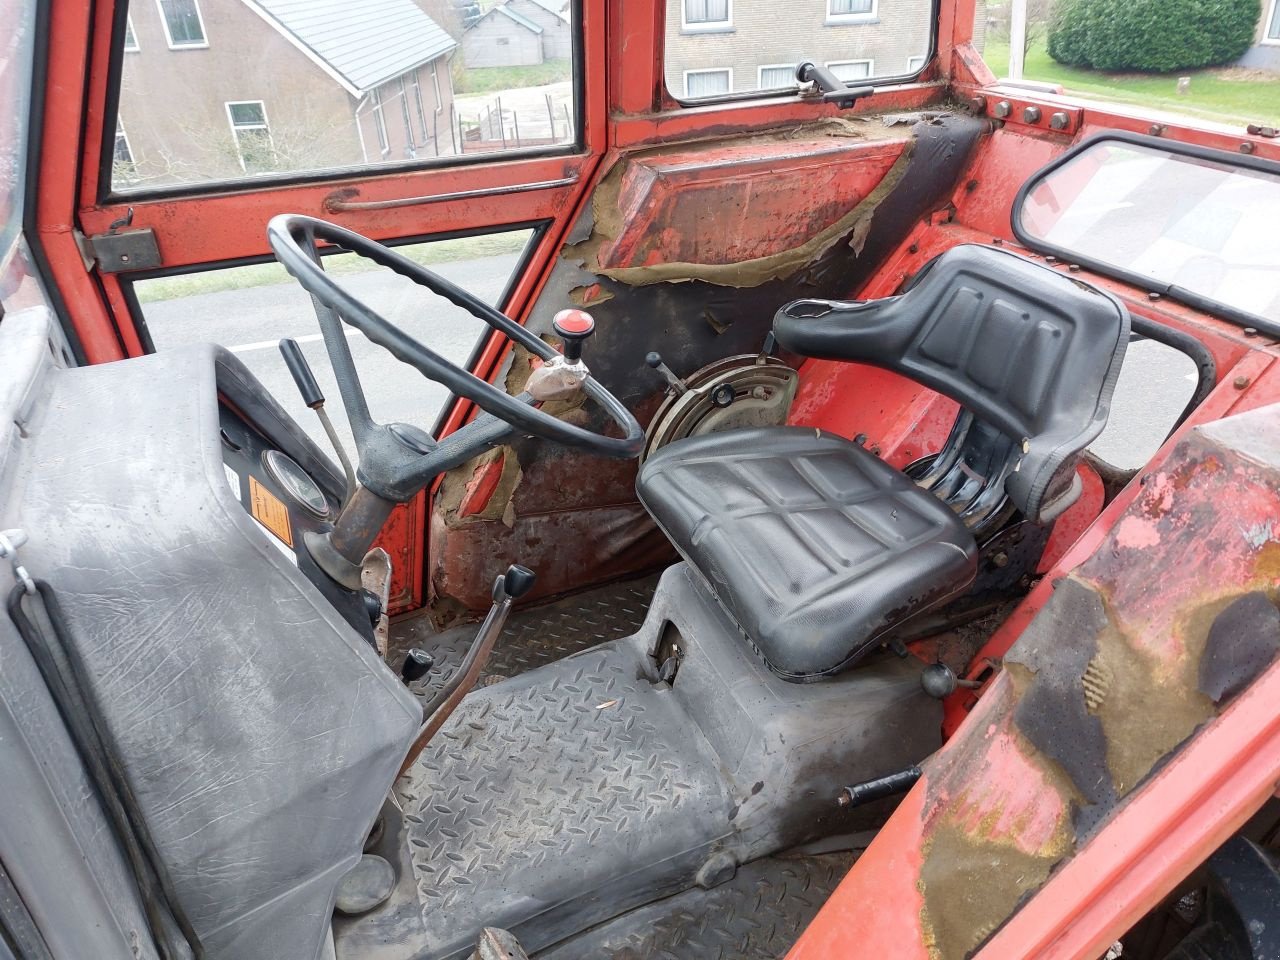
{"x": 1140, "y": 648}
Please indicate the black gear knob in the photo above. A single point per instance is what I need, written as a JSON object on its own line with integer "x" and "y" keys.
{"x": 513, "y": 584}
{"x": 417, "y": 664}
{"x": 573, "y": 327}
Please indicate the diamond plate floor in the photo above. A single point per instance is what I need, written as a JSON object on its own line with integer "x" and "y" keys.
{"x": 544, "y": 787}
{"x": 758, "y": 915}
{"x": 533, "y": 637}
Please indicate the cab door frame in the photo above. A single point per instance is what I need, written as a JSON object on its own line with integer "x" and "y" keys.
{"x": 624, "y": 104}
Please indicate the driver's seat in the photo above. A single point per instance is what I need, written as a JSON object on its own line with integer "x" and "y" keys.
{"x": 817, "y": 548}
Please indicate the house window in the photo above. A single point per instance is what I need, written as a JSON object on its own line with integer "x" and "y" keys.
{"x": 1273, "y": 25}
{"x": 410, "y": 147}
{"x": 708, "y": 83}
{"x": 915, "y": 64}
{"x": 130, "y": 38}
{"x": 848, "y": 11}
{"x": 183, "y": 25}
{"x": 122, "y": 164}
{"x": 252, "y": 135}
{"x": 775, "y": 76}
{"x": 706, "y": 14}
{"x": 847, "y": 71}
{"x": 380, "y": 122}
{"x": 435, "y": 83}
{"x": 419, "y": 108}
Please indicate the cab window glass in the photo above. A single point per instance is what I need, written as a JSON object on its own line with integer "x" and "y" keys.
{"x": 249, "y": 309}
{"x": 216, "y": 90}
{"x": 719, "y": 48}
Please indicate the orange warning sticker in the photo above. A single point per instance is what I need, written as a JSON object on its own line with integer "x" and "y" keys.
{"x": 269, "y": 510}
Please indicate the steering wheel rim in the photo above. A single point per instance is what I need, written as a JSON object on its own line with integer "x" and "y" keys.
{"x": 293, "y": 239}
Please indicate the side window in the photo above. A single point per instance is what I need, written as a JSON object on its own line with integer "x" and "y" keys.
{"x": 716, "y": 48}
{"x": 340, "y": 85}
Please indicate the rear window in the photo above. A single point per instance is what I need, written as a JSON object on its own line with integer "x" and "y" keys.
{"x": 724, "y": 48}
{"x": 1195, "y": 224}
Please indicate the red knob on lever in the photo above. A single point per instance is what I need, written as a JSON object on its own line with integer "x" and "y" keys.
{"x": 573, "y": 327}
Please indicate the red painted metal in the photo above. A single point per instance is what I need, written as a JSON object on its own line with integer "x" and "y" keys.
{"x": 744, "y": 199}
{"x": 993, "y": 794}
{"x": 1173, "y": 822}
{"x": 1077, "y": 519}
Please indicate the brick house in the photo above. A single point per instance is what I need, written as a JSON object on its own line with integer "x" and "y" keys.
{"x": 736, "y": 46}
{"x": 219, "y": 89}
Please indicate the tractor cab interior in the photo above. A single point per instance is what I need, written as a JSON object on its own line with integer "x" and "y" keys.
{"x": 767, "y": 537}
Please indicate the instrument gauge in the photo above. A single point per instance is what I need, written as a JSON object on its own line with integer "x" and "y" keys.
{"x": 296, "y": 483}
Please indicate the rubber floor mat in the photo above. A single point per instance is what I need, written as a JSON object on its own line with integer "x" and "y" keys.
{"x": 533, "y": 637}
{"x": 757, "y": 915}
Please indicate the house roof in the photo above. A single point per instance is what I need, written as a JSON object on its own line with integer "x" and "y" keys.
{"x": 558, "y": 7}
{"x": 519, "y": 18}
{"x": 360, "y": 43}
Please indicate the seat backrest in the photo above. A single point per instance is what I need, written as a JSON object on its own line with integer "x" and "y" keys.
{"x": 1029, "y": 351}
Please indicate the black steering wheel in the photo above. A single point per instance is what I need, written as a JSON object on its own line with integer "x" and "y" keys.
{"x": 397, "y": 460}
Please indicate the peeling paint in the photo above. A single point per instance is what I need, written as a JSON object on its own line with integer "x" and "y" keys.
{"x": 609, "y": 219}
{"x": 749, "y": 273}
{"x": 1257, "y": 535}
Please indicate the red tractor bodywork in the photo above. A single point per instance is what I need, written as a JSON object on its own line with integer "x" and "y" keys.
{"x": 1193, "y": 532}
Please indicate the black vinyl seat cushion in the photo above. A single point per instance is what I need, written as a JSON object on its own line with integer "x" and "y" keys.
{"x": 813, "y": 545}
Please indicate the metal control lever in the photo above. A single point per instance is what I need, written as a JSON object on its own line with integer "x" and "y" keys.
{"x": 654, "y": 360}
{"x": 305, "y": 380}
{"x": 507, "y": 589}
{"x": 940, "y": 681}
{"x": 573, "y": 327}
{"x": 562, "y": 376}
{"x": 872, "y": 790}
{"x": 417, "y": 664}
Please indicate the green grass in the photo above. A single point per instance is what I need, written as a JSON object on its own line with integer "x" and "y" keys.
{"x": 495, "y": 79}
{"x": 263, "y": 274}
{"x": 1224, "y": 94}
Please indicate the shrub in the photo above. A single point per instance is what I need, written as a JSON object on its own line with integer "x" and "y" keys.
{"x": 1156, "y": 36}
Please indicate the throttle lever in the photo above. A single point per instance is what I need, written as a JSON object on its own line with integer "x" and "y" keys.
{"x": 306, "y": 383}
{"x": 654, "y": 359}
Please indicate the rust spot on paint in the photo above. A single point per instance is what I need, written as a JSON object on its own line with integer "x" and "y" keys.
{"x": 1146, "y": 710}
{"x": 1268, "y": 565}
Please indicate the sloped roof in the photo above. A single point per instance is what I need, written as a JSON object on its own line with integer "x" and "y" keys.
{"x": 558, "y": 7}
{"x": 519, "y": 18}
{"x": 361, "y": 43}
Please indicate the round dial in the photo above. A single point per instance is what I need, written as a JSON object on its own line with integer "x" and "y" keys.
{"x": 296, "y": 483}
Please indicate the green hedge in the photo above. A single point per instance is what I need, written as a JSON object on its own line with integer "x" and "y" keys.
{"x": 1155, "y": 36}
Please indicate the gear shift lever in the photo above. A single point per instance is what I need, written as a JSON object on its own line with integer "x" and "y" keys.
{"x": 561, "y": 377}
{"x": 507, "y": 589}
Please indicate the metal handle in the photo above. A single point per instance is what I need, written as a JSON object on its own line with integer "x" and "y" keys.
{"x": 300, "y": 370}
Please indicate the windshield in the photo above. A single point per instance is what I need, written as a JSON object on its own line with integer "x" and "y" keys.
{"x": 1188, "y": 224}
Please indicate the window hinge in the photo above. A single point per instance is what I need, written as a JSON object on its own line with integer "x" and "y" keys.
{"x": 119, "y": 251}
